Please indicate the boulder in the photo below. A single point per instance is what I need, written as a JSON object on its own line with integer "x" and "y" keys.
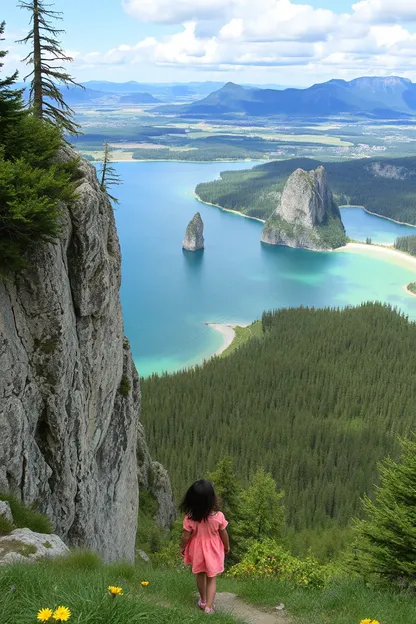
{"x": 23, "y": 545}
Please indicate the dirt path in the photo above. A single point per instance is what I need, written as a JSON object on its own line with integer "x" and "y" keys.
{"x": 230, "y": 603}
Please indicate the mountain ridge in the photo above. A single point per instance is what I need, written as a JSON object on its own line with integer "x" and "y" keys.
{"x": 380, "y": 97}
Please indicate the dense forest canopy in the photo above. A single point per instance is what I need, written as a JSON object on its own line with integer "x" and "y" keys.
{"x": 407, "y": 244}
{"x": 317, "y": 402}
{"x": 384, "y": 186}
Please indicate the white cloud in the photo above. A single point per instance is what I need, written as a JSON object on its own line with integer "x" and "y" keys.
{"x": 232, "y": 35}
{"x": 175, "y": 11}
{"x": 385, "y": 11}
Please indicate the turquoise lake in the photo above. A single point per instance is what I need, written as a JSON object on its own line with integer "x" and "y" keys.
{"x": 168, "y": 295}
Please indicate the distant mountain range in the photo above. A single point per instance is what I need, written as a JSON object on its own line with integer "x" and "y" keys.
{"x": 103, "y": 92}
{"x": 377, "y": 97}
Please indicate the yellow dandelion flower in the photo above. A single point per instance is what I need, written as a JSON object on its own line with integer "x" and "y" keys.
{"x": 366, "y": 621}
{"x": 115, "y": 591}
{"x": 145, "y": 583}
{"x": 375, "y": 622}
{"x": 44, "y": 615}
{"x": 61, "y": 614}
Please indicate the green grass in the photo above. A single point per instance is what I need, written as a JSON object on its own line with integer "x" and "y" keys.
{"x": 346, "y": 602}
{"x": 80, "y": 580}
{"x": 24, "y": 517}
{"x": 243, "y": 335}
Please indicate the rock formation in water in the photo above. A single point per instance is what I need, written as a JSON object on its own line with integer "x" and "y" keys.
{"x": 307, "y": 215}
{"x": 69, "y": 391}
{"x": 194, "y": 236}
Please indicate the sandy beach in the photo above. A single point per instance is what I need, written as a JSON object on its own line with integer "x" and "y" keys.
{"x": 393, "y": 255}
{"x": 228, "y": 333}
{"x": 409, "y": 292}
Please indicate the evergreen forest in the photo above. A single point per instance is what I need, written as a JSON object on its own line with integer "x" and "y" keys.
{"x": 407, "y": 244}
{"x": 383, "y": 186}
{"x": 317, "y": 401}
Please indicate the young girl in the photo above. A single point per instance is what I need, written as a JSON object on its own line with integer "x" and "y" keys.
{"x": 204, "y": 540}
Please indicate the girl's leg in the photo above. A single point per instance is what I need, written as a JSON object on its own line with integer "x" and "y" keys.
{"x": 211, "y": 590}
{"x": 201, "y": 581}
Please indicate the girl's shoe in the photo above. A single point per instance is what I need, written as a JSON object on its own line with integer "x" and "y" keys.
{"x": 209, "y": 611}
{"x": 202, "y": 605}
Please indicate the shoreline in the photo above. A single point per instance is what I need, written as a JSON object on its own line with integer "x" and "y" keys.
{"x": 375, "y": 214}
{"x": 379, "y": 249}
{"x": 409, "y": 292}
{"x": 227, "y": 330}
{"x": 236, "y": 212}
{"x": 161, "y": 160}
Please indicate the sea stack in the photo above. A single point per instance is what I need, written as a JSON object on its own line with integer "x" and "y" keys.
{"x": 194, "y": 235}
{"x": 307, "y": 216}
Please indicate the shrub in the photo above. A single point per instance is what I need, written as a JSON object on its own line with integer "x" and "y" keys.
{"x": 268, "y": 559}
{"x": 125, "y": 386}
{"x": 27, "y": 517}
{"x": 6, "y": 527}
{"x": 82, "y": 560}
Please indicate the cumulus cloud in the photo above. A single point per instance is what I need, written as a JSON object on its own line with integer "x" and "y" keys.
{"x": 385, "y": 11}
{"x": 375, "y": 36}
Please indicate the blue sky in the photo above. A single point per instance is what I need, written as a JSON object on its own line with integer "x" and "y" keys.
{"x": 278, "y": 41}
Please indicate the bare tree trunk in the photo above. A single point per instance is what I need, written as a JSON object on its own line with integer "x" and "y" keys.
{"x": 104, "y": 169}
{"x": 37, "y": 58}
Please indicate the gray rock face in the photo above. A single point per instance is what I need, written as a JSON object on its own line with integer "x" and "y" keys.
{"x": 5, "y": 511}
{"x": 306, "y": 208}
{"x": 194, "y": 236}
{"x": 69, "y": 391}
{"x": 154, "y": 478}
{"x": 23, "y": 545}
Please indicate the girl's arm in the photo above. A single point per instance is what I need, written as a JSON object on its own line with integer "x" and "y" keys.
{"x": 186, "y": 536}
{"x": 225, "y": 540}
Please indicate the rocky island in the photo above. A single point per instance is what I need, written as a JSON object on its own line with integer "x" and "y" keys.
{"x": 194, "y": 235}
{"x": 307, "y": 215}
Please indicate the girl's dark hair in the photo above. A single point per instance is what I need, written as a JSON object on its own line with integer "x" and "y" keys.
{"x": 199, "y": 501}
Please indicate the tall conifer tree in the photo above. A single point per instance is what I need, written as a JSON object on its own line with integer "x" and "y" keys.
{"x": 108, "y": 175}
{"x": 11, "y": 104}
{"x": 45, "y": 96}
{"x": 388, "y": 533}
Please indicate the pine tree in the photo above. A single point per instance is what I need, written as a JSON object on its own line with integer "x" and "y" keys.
{"x": 45, "y": 96}
{"x": 229, "y": 492}
{"x": 11, "y": 104}
{"x": 263, "y": 508}
{"x": 387, "y": 537}
{"x": 108, "y": 175}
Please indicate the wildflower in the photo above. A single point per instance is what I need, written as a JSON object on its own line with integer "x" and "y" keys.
{"x": 145, "y": 583}
{"x": 44, "y": 615}
{"x": 61, "y": 614}
{"x": 115, "y": 591}
{"x": 366, "y": 621}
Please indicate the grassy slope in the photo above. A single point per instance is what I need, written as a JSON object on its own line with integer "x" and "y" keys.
{"x": 80, "y": 581}
{"x": 243, "y": 335}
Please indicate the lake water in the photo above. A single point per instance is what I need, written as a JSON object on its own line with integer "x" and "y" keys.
{"x": 168, "y": 295}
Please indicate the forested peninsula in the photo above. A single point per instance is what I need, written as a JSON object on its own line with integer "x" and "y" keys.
{"x": 386, "y": 187}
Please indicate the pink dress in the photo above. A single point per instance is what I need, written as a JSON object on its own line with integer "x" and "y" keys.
{"x": 205, "y": 550}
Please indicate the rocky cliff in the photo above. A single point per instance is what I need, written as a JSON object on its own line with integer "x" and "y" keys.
{"x": 69, "y": 391}
{"x": 307, "y": 215}
{"x": 194, "y": 236}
